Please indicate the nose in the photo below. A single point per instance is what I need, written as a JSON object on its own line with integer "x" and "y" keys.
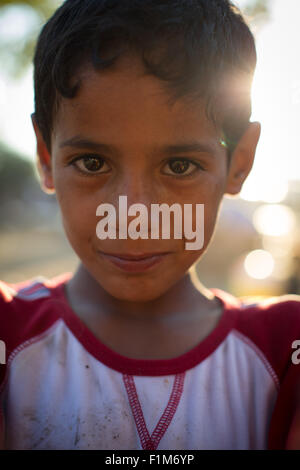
{"x": 137, "y": 187}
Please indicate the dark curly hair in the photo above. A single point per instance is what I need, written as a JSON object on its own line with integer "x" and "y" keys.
{"x": 197, "y": 48}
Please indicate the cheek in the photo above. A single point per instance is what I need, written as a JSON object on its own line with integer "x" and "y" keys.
{"x": 212, "y": 200}
{"x": 78, "y": 210}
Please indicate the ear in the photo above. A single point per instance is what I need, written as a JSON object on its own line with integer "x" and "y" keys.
{"x": 44, "y": 160}
{"x": 242, "y": 159}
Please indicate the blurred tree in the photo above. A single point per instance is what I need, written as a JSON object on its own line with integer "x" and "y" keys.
{"x": 16, "y": 175}
{"x": 16, "y": 50}
{"x": 257, "y": 12}
{"x": 257, "y": 7}
{"x": 44, "y": 8}
{"x": 17, "y": 42}
{"x": 21, "y": 196}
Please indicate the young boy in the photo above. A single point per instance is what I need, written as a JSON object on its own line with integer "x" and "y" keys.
{"x": 150, "y": 100}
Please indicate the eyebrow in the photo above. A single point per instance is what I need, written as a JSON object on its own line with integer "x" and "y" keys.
{"x": 180, "y": 147}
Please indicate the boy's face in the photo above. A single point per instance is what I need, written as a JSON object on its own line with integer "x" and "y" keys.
{"x": 129, "y": 114}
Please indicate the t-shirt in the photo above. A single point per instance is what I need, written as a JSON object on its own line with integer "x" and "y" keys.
{"x": 62, "y": 388}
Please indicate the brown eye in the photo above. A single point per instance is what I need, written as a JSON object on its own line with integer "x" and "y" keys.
{"x": 181, "y": 167}
{"x": 90, "y": 164}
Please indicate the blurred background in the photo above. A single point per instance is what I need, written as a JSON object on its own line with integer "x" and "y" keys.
{"x": 256, "y": 247}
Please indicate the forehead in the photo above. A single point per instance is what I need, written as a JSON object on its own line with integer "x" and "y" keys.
{"x": 124, "y": 104}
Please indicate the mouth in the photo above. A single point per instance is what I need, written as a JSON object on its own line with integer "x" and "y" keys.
{"x": 133, "y": 262}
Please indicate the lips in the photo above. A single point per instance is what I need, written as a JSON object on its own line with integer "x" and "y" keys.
{"x": 134, "y": 262}
{"x": 134, "y": 257}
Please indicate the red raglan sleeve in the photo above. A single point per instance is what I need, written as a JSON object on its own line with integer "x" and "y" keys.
{"x": 11, "y": 335}
{"x": 281, "y": 348}
{"x": 274, "y": 326}
{"x": 285, "y": 424}
{"x": 26, "y": 310}
{"x": 284, "y": 431}
{"x": 6, "y": 329}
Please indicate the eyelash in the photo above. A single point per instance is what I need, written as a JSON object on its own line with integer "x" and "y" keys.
{"x": 198, "y": 166}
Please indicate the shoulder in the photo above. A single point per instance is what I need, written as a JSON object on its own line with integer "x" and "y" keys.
{"x": 27, "y": 309}
{"x": 269, "y": 326}
{"x": 269, "y": 314}
{"x": 276, "y": 318}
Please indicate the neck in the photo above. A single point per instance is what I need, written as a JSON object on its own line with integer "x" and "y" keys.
{"x": 185, "y": 296}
